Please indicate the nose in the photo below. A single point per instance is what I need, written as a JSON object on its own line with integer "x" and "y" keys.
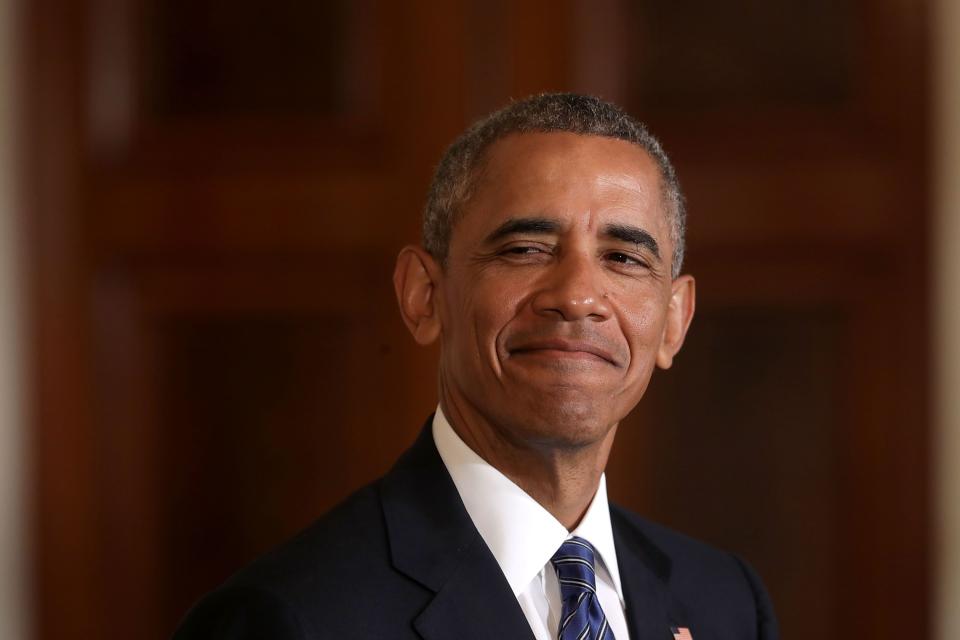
{"x": 572, "y": 290}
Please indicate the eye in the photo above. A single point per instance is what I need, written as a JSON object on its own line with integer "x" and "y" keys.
{"x": 525, "y": 251}
{"x": 522, "y": 250}
{"x": 623, "y": 258}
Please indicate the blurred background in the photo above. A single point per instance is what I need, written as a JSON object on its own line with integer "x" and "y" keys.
{"x": 201, "y": 202}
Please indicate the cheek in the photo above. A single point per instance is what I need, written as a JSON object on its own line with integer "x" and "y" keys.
{"x": 477, "y": 314}
{"x": 643, "y": 329}
{"x": 494, "y": 297}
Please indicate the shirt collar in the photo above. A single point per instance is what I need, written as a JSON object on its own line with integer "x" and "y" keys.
{"x": 520, "y": 533}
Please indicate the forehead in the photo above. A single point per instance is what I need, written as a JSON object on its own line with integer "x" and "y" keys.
{"x": 574, "y": 178}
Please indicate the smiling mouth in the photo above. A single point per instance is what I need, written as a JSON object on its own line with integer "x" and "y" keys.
{"x": 564, "y": 350}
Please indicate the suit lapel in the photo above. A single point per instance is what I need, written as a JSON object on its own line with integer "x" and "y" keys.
{"x": 645, "y": 574}
{"x": 434, "y": 542}
{"x": 475, "y": 602}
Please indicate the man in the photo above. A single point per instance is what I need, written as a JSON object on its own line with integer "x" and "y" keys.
{"x": 550, "y": 275}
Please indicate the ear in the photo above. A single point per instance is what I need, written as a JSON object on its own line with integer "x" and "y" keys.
{"x": 414, "y": 280}
{"x": 679, "y": 315}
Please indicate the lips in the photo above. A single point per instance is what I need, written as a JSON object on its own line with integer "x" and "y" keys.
{"x": 563, "y": 348}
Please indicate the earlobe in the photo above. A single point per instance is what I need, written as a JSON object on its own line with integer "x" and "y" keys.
{"x": 679, "y": 314}
{"x": 414, "y": 283}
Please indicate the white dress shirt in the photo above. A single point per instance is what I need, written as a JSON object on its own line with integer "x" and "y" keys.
{"x": 523, "y": 536}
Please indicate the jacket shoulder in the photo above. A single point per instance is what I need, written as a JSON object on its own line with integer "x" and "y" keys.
{"x": 714, "y": 587}
{"x": 349, "y": 539}
{"x": 241, "y": 613}
{"x": 337, "y": 565}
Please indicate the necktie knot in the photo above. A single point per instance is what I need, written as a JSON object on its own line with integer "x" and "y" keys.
{"x": 582, "y": 617}
{"x": 575, "y": 564}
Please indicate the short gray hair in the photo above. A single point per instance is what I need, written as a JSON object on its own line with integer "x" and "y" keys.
{"x": 456, "y": 175}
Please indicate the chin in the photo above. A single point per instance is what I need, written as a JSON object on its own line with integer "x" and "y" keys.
{"x": 557, "y": 423}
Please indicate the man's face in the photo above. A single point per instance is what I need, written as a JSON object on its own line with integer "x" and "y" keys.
{"x": 555, "y": 299}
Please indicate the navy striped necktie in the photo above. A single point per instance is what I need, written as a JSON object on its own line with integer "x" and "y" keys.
{"x": 581, "y": 617}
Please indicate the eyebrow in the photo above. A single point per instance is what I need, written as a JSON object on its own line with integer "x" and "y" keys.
{"x": 522, "y": 225}
{"x": 633, "y": 235}
{"x": 623, "y": 232}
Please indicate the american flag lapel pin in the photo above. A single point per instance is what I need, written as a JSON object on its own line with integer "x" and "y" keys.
{"x": 681, "y": 633}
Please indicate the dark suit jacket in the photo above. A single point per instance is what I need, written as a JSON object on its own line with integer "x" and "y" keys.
{"x": 402, "y": 559}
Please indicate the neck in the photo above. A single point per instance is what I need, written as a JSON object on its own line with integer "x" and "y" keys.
{"x": 562, "y": 478}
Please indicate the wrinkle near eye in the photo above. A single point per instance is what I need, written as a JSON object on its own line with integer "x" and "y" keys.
{"x": 486, "y": 258}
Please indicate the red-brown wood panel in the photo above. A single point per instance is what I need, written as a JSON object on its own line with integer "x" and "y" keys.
{"x": 216, "y": 194}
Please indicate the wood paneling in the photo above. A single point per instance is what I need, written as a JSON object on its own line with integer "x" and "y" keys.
{"x": 691, "y": 55}
{"x": 221, "y": 59}
{"x": 217, "y": 193}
